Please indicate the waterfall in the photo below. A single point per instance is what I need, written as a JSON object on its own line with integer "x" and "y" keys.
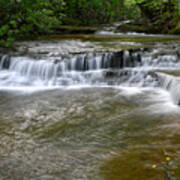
{"x": 171, "y": 84}
{"x": 81, "y": 62}
{"x": 161, "y": 62}
{"x": 133, "y": 67}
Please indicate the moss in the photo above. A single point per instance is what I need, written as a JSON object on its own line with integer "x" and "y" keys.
{"x": 141, "y": 164}
{"x": 133, "y": 164}
{"x": 65, "y": 29}
{"x": 175, "y": 30}
{"x": 144, "y": 27}
{"x": 134, "y": 28}
{"x": 109, "y": 38}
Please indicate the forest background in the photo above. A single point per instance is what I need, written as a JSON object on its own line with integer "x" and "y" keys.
{"x": 24, "y": 19}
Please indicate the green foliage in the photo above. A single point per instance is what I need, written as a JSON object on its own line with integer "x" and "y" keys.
{"x": 22, "y": 19}
{"x": 26, "y": 18}
{"x": 132, "y": 10}
{"x": 163, "y": 15}
{"x": 90, "y": 12}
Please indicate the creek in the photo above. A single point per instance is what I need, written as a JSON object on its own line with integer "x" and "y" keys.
{"x": 81, "y": 107}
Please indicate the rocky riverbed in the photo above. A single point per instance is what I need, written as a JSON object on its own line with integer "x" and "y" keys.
{"x": 77, "y": 107}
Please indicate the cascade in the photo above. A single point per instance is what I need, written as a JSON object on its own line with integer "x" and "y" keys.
{"x": 125, "y": 67}
{"x": 171, "y": 84}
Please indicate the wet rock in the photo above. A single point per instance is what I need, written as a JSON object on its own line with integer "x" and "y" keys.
{"x": 5, "y": 61}
{"x": 175, "y": 30}
{"x": 75, "y": 30}
{"x": 56, "y": 61}
{"x": 117, "y": 60}
{"x": 178, "y": 52}
{"x": 133, "y": 27}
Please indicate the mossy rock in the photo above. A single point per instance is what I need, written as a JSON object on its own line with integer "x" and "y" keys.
{"x": 139, "y": 28}
{"x": 175, "y": 30}
{"x": 65, "y": 29}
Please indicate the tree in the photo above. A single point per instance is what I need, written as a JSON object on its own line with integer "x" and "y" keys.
{"x": 26, "y": 18}
{"x": 92, "y": 12}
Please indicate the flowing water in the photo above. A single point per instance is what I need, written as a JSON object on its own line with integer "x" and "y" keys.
{"x": 91, "y": 107}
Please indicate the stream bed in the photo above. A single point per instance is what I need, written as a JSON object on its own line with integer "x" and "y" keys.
{"x": 91, "y": 107}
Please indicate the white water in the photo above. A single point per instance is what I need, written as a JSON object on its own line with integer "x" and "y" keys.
{"x": 124, "y": 69}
